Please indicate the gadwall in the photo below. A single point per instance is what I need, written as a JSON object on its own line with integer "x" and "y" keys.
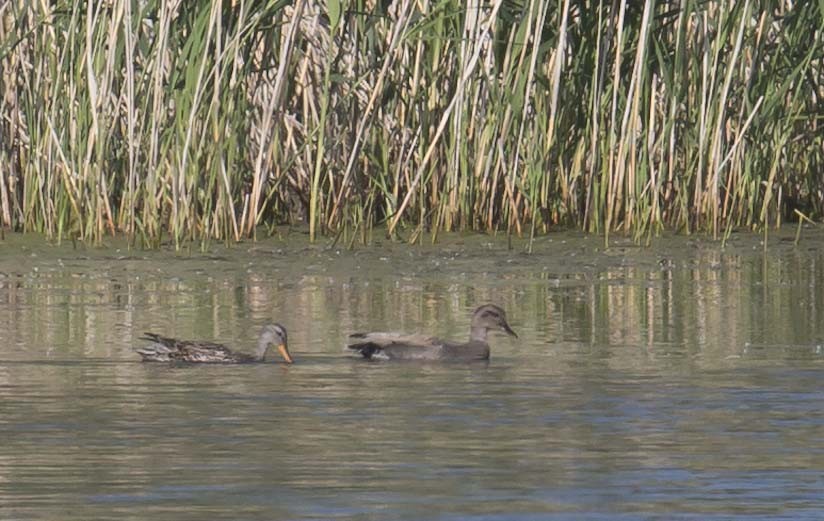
{"x": 399, "y": 346}
{"x": 165, "y": 349}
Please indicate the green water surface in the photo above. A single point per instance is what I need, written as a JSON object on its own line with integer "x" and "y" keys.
{"x": 679, "y": 381}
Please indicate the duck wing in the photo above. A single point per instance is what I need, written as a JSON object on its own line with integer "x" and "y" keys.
{"x": 167, "y": 349}
{"x": 396, "y": 346}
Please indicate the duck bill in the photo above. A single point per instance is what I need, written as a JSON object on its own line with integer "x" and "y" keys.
{"x": 284, "y": 352}
{"x": 508, "y": 330}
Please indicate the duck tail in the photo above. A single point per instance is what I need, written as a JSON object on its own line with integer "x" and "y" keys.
{"x": 154, "y": 352}
{"x": 364, "y": 347}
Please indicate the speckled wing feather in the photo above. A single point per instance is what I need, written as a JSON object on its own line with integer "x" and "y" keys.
{"x": 166, "y": 349}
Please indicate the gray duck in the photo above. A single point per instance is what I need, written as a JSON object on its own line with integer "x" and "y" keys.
{"x": 165, "y": 349}
{"x": 400, "y": 346}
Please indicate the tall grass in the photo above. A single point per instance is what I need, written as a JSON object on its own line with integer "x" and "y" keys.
{"x": 181, "y": 121}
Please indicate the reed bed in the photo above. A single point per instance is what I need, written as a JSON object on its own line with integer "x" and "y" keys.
{"x": 181, "y": 121}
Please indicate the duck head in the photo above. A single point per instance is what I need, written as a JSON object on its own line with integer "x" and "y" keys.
{"x": 489, "y": 316}
{"x": 275, "y": 335}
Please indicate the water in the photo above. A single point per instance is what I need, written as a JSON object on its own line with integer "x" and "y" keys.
{"x": 681, "y": 381}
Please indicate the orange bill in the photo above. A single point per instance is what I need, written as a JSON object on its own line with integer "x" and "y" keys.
{"x": 285, "y": 353}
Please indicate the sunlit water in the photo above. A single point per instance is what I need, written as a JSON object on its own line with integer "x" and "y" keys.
{"x": 682, "y": 381}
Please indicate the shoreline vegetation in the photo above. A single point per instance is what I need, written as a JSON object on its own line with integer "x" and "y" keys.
{"x": 199, "y": 121}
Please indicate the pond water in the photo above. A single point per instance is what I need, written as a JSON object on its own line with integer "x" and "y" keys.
{"x": 679, "y": 381}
